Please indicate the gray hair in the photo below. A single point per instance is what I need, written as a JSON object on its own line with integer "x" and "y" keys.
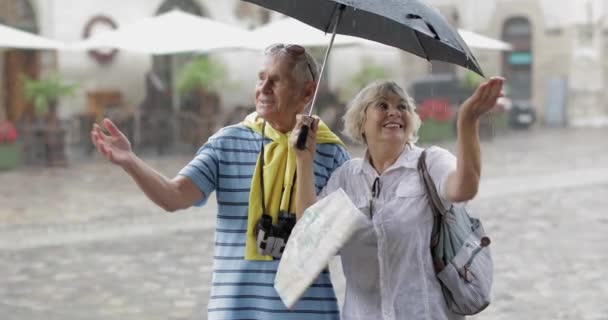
{"x": 305, "y": 66}
{"x": 354, "y": 118}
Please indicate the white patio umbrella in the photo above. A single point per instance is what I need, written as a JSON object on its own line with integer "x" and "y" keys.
{"x": 17, "y": 39}
{"x": 172, "y": 32}
{"x": 290, "y": 30}
{"x": 478, "y": 41}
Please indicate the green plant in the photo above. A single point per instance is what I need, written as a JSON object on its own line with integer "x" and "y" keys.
{"x": 472, "y": 80}
{"x": 201, "y": 73}
{"x": 368, "y": 73}
{"x": 433, "y": 130}
{"x": 44, "y": 93}
{"x": 10, "y": 149}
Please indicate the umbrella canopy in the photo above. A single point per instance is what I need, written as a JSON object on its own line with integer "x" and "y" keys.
{"x": 472, "y": 39}
{"x": 169, "y": 33}
{"x": 410, "y": 25}
{"x": 283, "y": 31}
{"x": 17, "y": 39}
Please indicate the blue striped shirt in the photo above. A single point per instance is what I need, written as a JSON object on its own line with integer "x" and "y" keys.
{"x": 245, "y": 289}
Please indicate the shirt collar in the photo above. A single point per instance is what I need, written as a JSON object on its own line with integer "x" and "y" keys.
{"x": 407, "y": 159}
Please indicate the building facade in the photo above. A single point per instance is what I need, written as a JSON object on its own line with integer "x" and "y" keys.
{"x": 556, "y": 64}
{"x": 557, "y": 60}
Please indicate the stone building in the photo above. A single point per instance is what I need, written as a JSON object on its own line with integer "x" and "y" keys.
{"x": 557, "y": 64}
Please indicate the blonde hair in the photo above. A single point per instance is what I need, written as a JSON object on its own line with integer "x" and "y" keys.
{"x": 354, "y": 118}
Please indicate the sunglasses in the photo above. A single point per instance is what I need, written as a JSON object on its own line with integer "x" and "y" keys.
{"x": 293, "y": 50}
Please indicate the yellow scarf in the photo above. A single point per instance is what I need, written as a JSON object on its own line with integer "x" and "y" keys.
{"x": 279, "y": 170}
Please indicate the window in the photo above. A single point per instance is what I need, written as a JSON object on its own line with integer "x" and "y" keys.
{"x": 19, "y": 14}
{"x": 183, "y": 5}
{"x": 520, "y": 58}
{"x": 517, "y": 64}
{"x": 251, "y": 15}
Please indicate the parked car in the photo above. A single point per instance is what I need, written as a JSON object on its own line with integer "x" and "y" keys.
{"x": 522, "y": 115}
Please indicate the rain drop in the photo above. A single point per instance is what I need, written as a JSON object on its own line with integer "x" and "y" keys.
{"x": 431, "y": 72}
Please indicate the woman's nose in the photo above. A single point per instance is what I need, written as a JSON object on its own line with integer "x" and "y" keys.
{"x": 393, "y": 111}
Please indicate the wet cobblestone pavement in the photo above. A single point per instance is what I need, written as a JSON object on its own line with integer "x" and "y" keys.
{"x": 83, "y": 243}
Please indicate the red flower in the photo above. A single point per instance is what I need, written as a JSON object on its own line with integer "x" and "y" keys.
{"x": 437, "y": 109}
{"x": 8, "y": 133}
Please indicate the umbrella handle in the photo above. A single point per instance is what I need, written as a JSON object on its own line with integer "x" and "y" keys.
{"x": 301, "y": 143}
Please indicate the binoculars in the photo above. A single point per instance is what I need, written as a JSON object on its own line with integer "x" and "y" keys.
{"x": 272, "y": 238}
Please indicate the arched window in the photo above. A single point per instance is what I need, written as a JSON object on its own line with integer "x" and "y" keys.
{"x": 183, "y": 5}
{"x": 251, "y": 15}
{"x": 517, "y": 64}
{"x": 18, "y": 14}
{"x": 162, "y": 65}
{"x": 160, "y": 93}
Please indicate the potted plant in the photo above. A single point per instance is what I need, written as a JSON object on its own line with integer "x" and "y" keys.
{"x": 437, "y": 117}
{"x": 44, "y": 94}
{"x": 368, "y": 73}
{"x": 202, "y": 78}
{"x": 10, "y": 150}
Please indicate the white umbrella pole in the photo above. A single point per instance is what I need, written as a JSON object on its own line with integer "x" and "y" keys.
{"x": 331, "y": 44}
{"x": 175, "y": 100}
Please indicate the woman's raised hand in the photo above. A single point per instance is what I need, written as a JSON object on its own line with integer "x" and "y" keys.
{"x": 482, "y": 100}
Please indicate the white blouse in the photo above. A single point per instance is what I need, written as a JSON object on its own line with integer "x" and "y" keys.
{"x": 387, "y": 262}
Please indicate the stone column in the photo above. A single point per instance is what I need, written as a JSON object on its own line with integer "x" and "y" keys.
{"x": 585, "y": 105}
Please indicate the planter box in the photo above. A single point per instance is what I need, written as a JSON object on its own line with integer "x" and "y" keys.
{"x": 10, "y": 156}
{"x": 432, "y": 130}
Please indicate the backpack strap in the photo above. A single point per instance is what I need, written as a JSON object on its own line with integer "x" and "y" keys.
{"x": 434, "y": 200}
{"x": 437, "y": 208}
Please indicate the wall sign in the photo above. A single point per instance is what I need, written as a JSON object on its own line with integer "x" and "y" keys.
{"x": 100, "y": 22}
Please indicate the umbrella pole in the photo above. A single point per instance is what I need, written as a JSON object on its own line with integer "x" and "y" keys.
{"x": 301, "y": 142}
{"x": 331, "y": 44}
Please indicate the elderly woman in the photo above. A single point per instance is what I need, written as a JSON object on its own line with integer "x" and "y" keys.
{"x": 387, "y": 262}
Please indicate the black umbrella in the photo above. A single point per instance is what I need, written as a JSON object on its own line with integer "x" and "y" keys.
{"x": 411, "y": 25}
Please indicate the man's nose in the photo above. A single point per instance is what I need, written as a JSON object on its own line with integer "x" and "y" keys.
{"x": 265, "y": 86}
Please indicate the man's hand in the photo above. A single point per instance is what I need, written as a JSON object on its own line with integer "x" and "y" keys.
{"x": 114, "y": 147}
{"x": 308, "y": 153}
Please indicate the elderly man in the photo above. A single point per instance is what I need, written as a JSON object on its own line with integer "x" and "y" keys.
{"x": 252, "y": 168}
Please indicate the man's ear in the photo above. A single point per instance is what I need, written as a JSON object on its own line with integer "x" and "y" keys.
{"x": 309, "y": 91}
